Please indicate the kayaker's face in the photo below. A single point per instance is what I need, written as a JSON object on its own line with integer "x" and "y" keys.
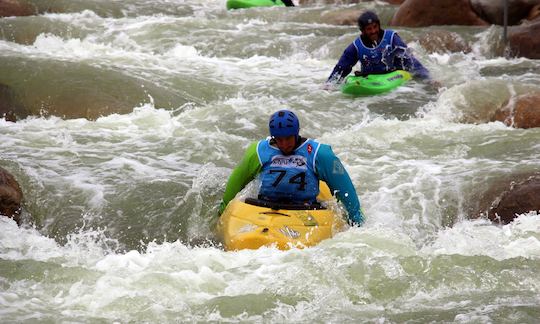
{"x": 372, "y": 31}
{"x": 286, "y": 144}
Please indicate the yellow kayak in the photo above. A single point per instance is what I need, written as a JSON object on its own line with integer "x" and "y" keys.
{"x": 254, "y": 223}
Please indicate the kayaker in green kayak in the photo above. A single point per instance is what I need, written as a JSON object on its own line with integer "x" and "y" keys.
{"x": 378, "y": 51}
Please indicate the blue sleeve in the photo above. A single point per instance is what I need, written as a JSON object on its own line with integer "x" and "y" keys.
{"x": 404, "y": 60}
{"x": 345, "y": 64}
{"x": 331, "y": 171}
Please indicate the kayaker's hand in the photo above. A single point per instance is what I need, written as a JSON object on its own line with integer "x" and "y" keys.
{"x": 357, "y": 219}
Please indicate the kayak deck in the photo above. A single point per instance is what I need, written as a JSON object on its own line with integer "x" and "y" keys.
{"x": 244, "y": 225}
{"x": 374, "y": 83}
{"x": 239, "y": 4}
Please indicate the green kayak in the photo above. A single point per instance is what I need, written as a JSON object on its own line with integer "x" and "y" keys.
{"x": 238, "y": 4}
{"x": 374, "y": 83}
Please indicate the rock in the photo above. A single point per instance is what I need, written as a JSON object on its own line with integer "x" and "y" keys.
{"x": 442, "y": 41}
{"x": 534, "y": 13}
{"x": 9, "y": 8}
{"x": 523, "y": 40}
{"x": 10, "y": 196}
{"x": 419, "y": 13}
{"x": 342, "y": 17}
{"x": 310, "y": 2}
{"x": 493, "y": 11}
{"x": 7, "y": 109}
{"x": 520, "y": 112}
{"x": 77, "y": 90}
{"x": 519, "y": 198}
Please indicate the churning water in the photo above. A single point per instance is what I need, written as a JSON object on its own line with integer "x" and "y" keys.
{"x": 140, "y": 110}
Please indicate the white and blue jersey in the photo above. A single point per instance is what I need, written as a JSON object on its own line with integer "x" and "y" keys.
{"x": 288, "y": 177}
{"x": 379, "y": 58}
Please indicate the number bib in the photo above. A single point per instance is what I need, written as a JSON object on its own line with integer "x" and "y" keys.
{"x": 288, "y": 178}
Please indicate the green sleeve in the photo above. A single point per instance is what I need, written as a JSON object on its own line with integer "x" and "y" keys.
{"x": 246, "y": 171}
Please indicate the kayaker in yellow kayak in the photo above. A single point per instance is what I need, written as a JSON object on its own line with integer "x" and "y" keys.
{"x": 290, "y": 167}
{"x": 378, "y": 51}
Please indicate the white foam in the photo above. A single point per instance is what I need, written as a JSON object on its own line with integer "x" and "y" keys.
{"x": 480, "y": 237}
{"x": 183, "y": 52}
{"x": 414, "y": 175}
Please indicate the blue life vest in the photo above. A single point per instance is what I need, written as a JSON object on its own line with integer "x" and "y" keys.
{"x": 288, "y": 178}
{"x": 378, "y": 59}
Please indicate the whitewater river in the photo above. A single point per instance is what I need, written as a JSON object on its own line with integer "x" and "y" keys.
{"x": 140, "y": 110}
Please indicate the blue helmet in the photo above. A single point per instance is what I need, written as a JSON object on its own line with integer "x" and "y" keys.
{"x": 367, "y": 18}
{"x": 284, "y": 123}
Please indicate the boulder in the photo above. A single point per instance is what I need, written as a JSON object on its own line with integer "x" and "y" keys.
{"x": 9, "y": 8}
{"x": 443, "y": 41}
{"x": 523, "y": 40}
{"x": 7, "y": 106}
{"x": 310, "y": 2}
{"x": 520, "y": 112}
{"x": 342, "y": 17}
{"x": 493, "y": 11}
{"x": 534, "y": 13}
{"x": 519, "y": 198}
{"x": 76, "y": 90}
{"x": 10, "y": 196}
{"x": 419, "y": 13}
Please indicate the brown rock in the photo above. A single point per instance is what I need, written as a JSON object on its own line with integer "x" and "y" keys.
{"x": 73, "y": 90}
{"x": 534, "y": 13}
{"x": 7, "y": 110}
{"x": 520, "y": 112}
{"x": 443, "y": 41}
{"x": 493, "y": 11}
{"x": 523, "y": 40}
{"x": 308, "y": 2}
{"x": 419, "y": 13}
{"x": 10, "y": 8}
{"x": 343, "y": 17}
{"x": 10, "y": 196}
{"x": 520, "y": 197}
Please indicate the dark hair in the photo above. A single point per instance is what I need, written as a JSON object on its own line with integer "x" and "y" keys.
{"x": 367, "y": 18}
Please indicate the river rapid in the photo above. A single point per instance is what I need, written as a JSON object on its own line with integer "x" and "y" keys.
{"x": 139, "y": 110}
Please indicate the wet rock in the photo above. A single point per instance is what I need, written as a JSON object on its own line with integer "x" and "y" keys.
{"x": 74, "y": 90}
{"x": 312, "y": 2}
{"x": 10, "y": 196}
{"x": 534, "y": 13}
{"x": 9, "y": 8}
{"x": 7, "y": 110}
{"x": 518, "y": 198}
{"x": 523, "y": 40}
{"x": 342, "y": 17}
{"x": 442, "y": 41}
{"x": 493, "y": 11}
{"x": 520, "y": 112}
{"x": 419, "y": 13}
